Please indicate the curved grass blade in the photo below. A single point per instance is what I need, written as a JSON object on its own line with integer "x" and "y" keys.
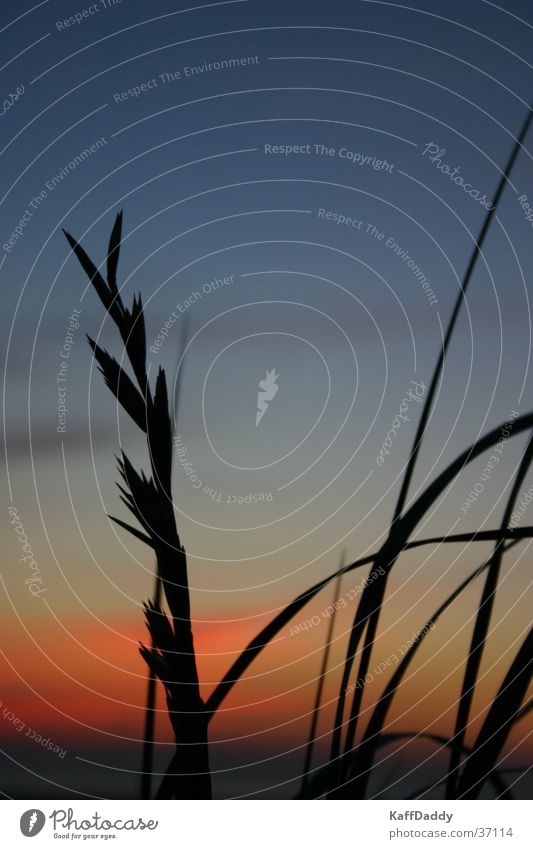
{"x": 528, "y": 707}
{"x": 360, "y": 761}
{"x": 318, "y": 786}
{"x": 262, "y": 639}
{"x": 373, "y": 620}
{"x": 495, "y": 777}
{"x": 498, "y": 722}
{"x": 481, "y": 630}
{"x": 373, "y": 594}
{"x": 321, "y": 679}
{"x": 426, "y": 410}
{"x": 133, "y": 531}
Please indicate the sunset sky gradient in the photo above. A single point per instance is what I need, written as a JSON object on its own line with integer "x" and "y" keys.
{"x": 331, "y": 307}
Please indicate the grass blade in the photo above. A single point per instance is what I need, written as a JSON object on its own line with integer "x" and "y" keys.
{"x": 481, "y": 630}
{"x": 359, "y": 763}
{"x": 454, "y": 316}
{"x": 321, "y": 679}
{"x": 120, "y": 385}
{"x": 321, "y": 782}
{"x": 373, "y": 594}
{"x": 151, "y": 687}
{"x": 263, "y": 638}
{"x": 373, "y": 620}
{"x": 498, "y": 722}
{"x": 113, "y": 253}
{"x": 133, "y": 531}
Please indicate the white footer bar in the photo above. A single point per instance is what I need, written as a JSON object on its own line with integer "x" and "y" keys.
{"x": 267, "y": 824}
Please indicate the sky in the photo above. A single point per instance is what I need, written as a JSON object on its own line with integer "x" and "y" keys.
{"x": 286, "y": 175}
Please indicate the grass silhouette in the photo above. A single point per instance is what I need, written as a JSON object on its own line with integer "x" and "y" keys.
{"x": 367, "y": 618}
{"x": 321, "y": 680}
{"x": 342, "y": 781}
{"x": 150, "y": 714}
{"x": 481, "y": 629}
{"x": 171, "y": 657}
